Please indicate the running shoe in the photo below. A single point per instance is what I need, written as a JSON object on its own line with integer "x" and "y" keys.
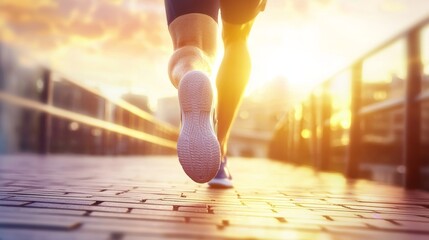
{"x": 223, "y": 178}
{"x": 197, "y": 147}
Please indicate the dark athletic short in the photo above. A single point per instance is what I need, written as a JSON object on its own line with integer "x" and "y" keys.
{"x": 232, "y": 11}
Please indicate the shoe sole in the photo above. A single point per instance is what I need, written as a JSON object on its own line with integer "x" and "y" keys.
{"x": 197, "y": 147}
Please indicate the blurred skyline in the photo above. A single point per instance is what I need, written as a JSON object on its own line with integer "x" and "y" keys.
{"x": 122, "y": 46}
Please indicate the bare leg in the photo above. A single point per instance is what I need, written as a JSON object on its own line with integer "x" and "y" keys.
{"x": 232, "y": 77}
{"x": 194, "y": 39}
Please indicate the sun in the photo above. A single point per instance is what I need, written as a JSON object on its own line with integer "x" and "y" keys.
{"x": 296, "y": 58}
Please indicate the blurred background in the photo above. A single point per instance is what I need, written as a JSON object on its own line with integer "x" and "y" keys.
{"x": 341, "y": 85}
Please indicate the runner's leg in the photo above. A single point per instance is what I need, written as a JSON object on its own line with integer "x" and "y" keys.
{"x": 194, "y": 39}
{"x": 237, "y": 18}
{"x": 193, "y": 29}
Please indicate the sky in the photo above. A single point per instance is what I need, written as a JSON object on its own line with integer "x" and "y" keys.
{"x": 123, "y": 45}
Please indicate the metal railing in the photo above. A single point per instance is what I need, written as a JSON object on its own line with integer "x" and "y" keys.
{"x": 64, "y": 116}
{"x": 315, "y": 115}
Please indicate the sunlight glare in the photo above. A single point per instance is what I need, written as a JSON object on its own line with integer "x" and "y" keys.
{"x": 386, "y": 65}
{"x": 298, "y": 112}
{"x": 112, "y": 92}
{"x": 306, "y": 133}
{"x": 284, "y": 59}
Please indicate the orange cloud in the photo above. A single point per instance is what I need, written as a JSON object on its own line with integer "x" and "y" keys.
{"x": 42, "y": 24}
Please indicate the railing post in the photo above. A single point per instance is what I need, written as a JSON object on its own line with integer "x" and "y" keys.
{"x": 109, "y": 137}
{"x": 313, "y": 124}
{"x": 325, "y": 141}
{"x": 354, "y": 148}
{"x": 45, "y": 118}
{"x": 133, "y": 141}
{"x": 291, "y": 146}
{"x": 412, "y": 111}
{"x": 118, "y": 137}
{"x": 299, "y": 155}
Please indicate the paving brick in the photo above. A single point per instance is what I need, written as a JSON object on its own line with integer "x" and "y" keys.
{"x": 178, "y": 203}
{"x": 4, "y": 182}
{"x": 395, "y": 202}
{"x": 395, "y": 217}
{"x": 143, "y": 195}
{"x": 137, "y": 205}
{"x": 383, "y": 205}
{"x": 139, "y": 216}
{"x": 155, "y": 227}
{"x": 26, "y": 184}
{"x": 378, "y": 209}
{"x": 250, "y": 221}
{"x": 79, "y": 195}
{"x": 193, "y": 209}
{"x": 323, "y": 212}
{"x": 344, "y": 209}
{"x": 77, "y": 207}
{"x": 11, "y": 189}
{"x": 170, "y": 213}
{"x": 37, "y": 223}
{"x": 4, "y": 196}
{"x": 412, "y": 226}
{"x": 48, "y": 199}
{"x": 326, "y": 206}
{"x": 349, "y": 223}
{"x": 136, "y": 236}
{"x": 41, "y": 210}
{"x": 258, "y": 204}
{"x": 399, "y": 225}
{"x": 26, "y": 234}
{"x": 364, "y": 233}
{"x": 42, "y": 192}
{"x": 12, "y": 203}
{"x": 246, "y": 213}
{"x": 403, "y": 211}
{"x": 300, "y": 214}
{"x": 185, "y": 201}
{"x": 240, "y": 208}
{"x": 261, "y": 233}
{"x": 113, "y": 199}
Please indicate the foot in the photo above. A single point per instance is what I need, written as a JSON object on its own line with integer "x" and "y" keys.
{"x": 197, "y": 147}
{"x": 223, "y": 178}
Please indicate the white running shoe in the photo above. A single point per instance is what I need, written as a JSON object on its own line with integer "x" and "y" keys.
{"x": 197, "y": 147}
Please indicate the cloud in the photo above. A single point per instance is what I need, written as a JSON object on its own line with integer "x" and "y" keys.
{"x": 111, "y": 23}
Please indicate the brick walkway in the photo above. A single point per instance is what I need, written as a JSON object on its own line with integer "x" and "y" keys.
{"x": 61, "y": 197}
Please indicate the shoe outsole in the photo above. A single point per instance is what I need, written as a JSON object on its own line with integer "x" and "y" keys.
{"x": 221, "y": 183}
{"x": 197, "y": 147}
